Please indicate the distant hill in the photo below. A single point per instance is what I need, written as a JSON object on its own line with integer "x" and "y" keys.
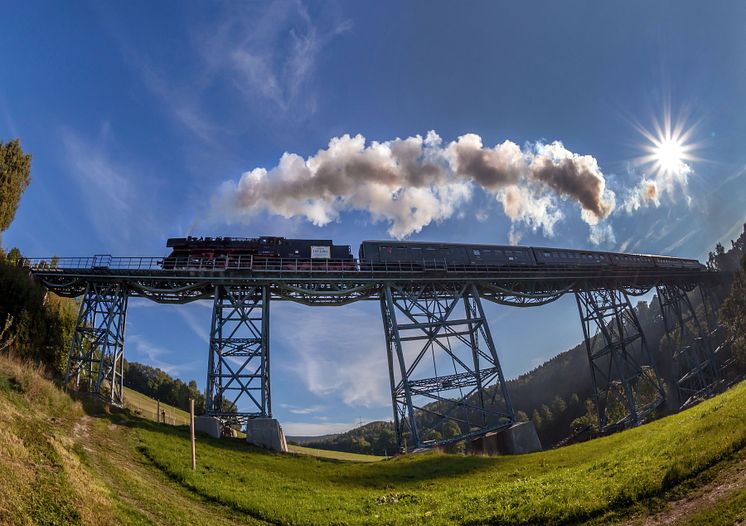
{"x": 301, "y": 440}
{"x": 373, "y": 438}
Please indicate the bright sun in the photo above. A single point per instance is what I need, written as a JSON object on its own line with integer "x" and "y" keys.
{"x": 668, "y": 149}
{"x": 669, "y": 154}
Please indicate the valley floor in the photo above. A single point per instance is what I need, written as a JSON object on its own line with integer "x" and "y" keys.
{"x": 63, "y": 463}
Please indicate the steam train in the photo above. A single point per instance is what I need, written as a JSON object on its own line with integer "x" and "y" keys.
{"x": 270, "y": 252}
{"x": 263, "y": 252}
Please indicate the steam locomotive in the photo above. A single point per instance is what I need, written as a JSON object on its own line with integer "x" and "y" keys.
{"x": 262, "y": 252}
{"x": 269, "y": 252}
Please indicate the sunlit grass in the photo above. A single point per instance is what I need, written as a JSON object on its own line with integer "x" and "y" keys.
{"x": 334, "y": 455}
{"x": 567, "y": 484}
{"x": 147, "y": 407}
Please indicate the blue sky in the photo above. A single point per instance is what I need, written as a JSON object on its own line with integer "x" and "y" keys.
{"x": 142, "y": 119}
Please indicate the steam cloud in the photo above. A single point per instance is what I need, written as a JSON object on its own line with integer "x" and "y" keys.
{"x": 665, "y": 182}
{"x": 410, "y": 183}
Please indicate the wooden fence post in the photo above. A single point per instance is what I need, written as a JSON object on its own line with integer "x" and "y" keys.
{"x": 191, "y": 425}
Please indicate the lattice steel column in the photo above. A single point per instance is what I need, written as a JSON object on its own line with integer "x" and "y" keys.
{"x": 716, "y": 333}
{"x": 443, "y": 365}
{"x": 626, "y": 385}
{"x": 698, "y": 369}
{"x": 96, "y": 358}
{"x": 238, "y": 363}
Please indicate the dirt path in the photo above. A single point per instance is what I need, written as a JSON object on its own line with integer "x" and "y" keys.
{"x": 142, "y": 494}
{"x": 731, "y": 479}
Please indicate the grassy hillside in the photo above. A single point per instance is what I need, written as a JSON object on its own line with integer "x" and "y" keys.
{"x": 146, "y": 407}
{"x": 41, "y": 477}
{"x": 62, "y": 463}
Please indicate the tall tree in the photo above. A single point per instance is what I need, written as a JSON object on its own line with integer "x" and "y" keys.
{"x": 15, "y": 176}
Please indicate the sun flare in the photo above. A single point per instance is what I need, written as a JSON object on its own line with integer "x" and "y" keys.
{"x": 669, "y": 148}
{"x": 669, "y": 154}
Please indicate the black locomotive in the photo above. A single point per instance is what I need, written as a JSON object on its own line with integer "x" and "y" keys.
{"x": 262, "y": 252}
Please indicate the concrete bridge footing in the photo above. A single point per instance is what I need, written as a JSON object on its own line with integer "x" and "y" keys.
{"x": 266, "y": 433}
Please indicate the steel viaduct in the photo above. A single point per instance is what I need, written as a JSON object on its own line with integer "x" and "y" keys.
{"x": 442, "y": 361}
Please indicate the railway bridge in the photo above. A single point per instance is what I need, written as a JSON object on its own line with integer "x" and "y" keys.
{"x": 442, "y": 361}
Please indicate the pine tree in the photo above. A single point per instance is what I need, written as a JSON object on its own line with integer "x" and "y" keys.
{"x": 15, "y": 176}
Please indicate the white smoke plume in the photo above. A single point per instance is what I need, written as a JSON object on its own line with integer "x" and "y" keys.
{"x": 669, "y": 182}
{"x": 413, "y": 182}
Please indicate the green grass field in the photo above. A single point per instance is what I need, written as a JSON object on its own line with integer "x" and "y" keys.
{"x": 335, "y": 455}
{"x": 564, "y": 485}
{"x": 63, "y": 462}
{"x": 146, "y": 407}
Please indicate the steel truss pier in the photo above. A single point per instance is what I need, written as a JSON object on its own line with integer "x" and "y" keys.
{"x": 96, "y": 359}
{"x": 443, "y": 365}
{"x": 238, "y": 364}
{"x": 627, "y": 387}
{"x": 698, "y": 372}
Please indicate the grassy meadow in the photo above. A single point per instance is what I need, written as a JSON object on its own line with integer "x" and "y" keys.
{"x": 64, "y": 462}
{"x": 146, "y": 407}
{"x": 564, "y": 485}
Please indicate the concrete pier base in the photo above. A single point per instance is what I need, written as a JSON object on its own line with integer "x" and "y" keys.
{"x": 266, "y": 433}
{"x": 208, "y": 425}
{"x": 515, "y": 440}
{"x": 519, "y": 438}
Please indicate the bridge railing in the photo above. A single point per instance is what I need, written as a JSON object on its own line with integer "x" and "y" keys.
{"x": 104, "y": 264}
{"x": 250, "y": 263}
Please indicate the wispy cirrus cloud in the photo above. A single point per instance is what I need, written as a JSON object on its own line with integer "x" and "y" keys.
{"x": 139, "y": 348}
{"x": 264, "y": 55}
{"x": 338, "y": 356}
{"x": 269, "y": 54}
{"x": 300, "y": 410}
{"x": 115, "y": 204}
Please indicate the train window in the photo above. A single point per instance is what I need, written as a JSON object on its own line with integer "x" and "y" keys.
{"x": 547, "y": 254}
{"x": 476, "y": 252}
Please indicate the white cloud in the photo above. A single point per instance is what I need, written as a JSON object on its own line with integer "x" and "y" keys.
{"x": 601, "y": 233}
{"x": 297, "y": 410}
{"x": 411, "y": 183}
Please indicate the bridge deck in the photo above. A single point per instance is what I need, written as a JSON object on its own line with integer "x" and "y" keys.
{"x": 338, "y": 282}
